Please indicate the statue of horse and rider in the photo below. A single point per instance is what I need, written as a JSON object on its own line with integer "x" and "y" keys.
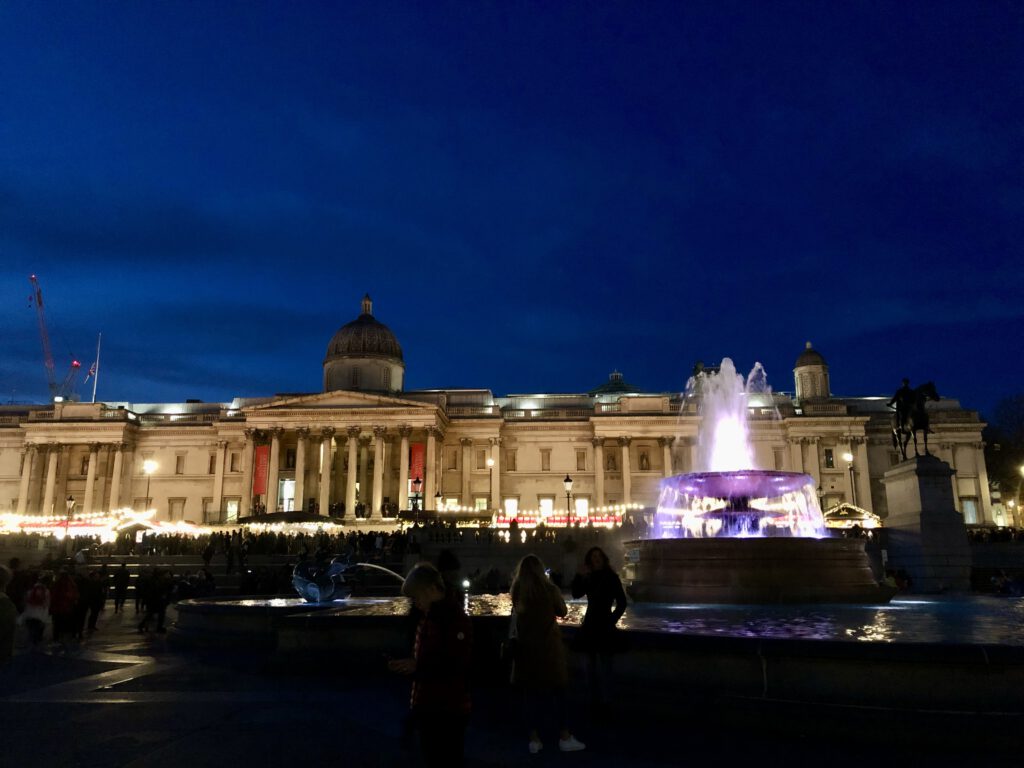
{"x": 911, "y": 416}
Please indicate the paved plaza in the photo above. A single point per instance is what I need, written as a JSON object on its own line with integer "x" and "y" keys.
{"x": 126, "y": 699}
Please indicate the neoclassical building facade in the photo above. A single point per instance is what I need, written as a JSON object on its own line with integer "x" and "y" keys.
{"x": 366, "y": 447}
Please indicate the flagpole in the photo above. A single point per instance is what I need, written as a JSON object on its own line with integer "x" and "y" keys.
{"x": 96, "y": 375}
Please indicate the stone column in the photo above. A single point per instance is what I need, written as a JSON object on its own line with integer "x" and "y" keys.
{"x": 598, "y": 444}
{"x": 403, "y": 467}
{"x": 300, "y": 468}
{"x": 218, "y": 482}
{"x": 377, "y": 498}
{"x": 340, "y": 482}
{"x": 274, "y": 471}
{"x": 353, "y": 465}
{"x": 90, "y": 478}
{"x": 326, "y": 438}
{"x": 863, "y": 475}
{"x": 796, "y": 454}
{"x": 467, "y": 463}
{"x": 364, "y": 470}
{"x": 431, "y": 478}
{"x": 627, "y": 480}
{"x": 666, "y": 456}
{"x": 29, "y": 454}
{"x": 245, "y": 503}
{"x": 815, "y": 459}
{"x": 985, "y": 513}
{"x": 115, "y": 476}
{"x": 495, "y": 478}
{"x": 51, "y": 478}
{"x": 694, "y": 454}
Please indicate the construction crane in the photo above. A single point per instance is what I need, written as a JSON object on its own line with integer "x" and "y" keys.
{"x": 62, "y": 390}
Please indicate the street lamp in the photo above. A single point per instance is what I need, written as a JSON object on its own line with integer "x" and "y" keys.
{"x": 568, "y": 496}
{"x": 437, "y": 501}
{"x": 149, "y": 467}
{"x": 848, "y": 458}
{"x": 490, "y": 486}
{"x": 416, "y": 484}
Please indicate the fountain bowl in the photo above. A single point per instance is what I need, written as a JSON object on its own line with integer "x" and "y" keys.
{"x": 751, "y": 570}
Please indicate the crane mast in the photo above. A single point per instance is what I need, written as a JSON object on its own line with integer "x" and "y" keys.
{"x": 62, "y": 390}
{"x": 51, "y": 379}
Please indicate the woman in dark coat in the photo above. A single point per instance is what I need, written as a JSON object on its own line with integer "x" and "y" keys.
{"x": 598, "y": 638}
{"x": 540, "y": 668}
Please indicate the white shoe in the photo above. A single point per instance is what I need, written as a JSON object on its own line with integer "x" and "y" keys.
{"x": 571, "y": 744}
{"x": 535, "y": 746}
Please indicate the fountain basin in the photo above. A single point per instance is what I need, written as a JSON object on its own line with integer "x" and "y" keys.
{"x": 751, "y": 570}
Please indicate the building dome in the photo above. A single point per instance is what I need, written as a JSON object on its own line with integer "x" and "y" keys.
{"x": 364, "y": 355}
{"x": 615, "y": 385}
{"x": 365, "y": 336}
{"x": 810, "y": 375}
{"x": 809, "y": 356}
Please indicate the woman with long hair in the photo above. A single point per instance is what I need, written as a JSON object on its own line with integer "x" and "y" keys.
{"x": 540, "y": 668}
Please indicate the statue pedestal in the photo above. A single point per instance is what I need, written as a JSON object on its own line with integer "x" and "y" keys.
{"x": 927, "y": 536}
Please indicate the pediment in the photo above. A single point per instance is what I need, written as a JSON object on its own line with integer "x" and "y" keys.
{"x": 340, "y": 400}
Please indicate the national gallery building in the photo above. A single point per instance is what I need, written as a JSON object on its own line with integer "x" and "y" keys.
{"x": 365, "y": 448}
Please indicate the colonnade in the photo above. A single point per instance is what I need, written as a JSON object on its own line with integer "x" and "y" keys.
{"x": 51, "y": 454}
{"x": 347, "y": 451}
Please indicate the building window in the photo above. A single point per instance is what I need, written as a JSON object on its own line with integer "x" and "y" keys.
{"x": 480, "y": 503}
{"x": 970, "y": 509}
{"x": 236, "y": 462}
{"x": 385, "y": 378}
{"x": 212, "y": 467}
{"x": 85, "y": 466}
{"x": 546, "y": 504}
{"x": 453, "y": 458}
{"x": 545, "y": 459}
{"x": 830, "y": 459}
{"x": 581, "y": 461}
{"x": 176, "y": 509}
{"x": 510, "y": 460}
{"x": 179, "y": 464}
{"x": 231, "y": 509}
{"x": 511, "y": 506}
{"x": 289, "y": 458}
{"x": 581, "y": 505}
{"x": 481, "y": 459}
{"x": 779, "y": 455}
{"x": 356, "y": 376}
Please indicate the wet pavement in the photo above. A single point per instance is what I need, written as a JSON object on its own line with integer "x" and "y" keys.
{"x": 125, "y": 699}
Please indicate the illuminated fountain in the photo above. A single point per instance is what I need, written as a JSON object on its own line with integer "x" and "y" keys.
{"x": 733, "y": 533}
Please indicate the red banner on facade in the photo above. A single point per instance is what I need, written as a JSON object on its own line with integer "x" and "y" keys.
{"x": 417, "y": 452}
{"x": 259, "y": 475}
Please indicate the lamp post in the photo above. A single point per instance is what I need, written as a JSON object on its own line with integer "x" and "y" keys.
{"x": 568, "y": 496}
{"x": 490, "y": 486}
{"x": 67, "y": 521}
{"x": 848, "y": 458}
{"x": 437, "y": 501}
{"x": 149, "y": 467}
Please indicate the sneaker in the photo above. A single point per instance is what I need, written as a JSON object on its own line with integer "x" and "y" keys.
{"x": 571, "y": 744}
{"x": 535, "y": 746}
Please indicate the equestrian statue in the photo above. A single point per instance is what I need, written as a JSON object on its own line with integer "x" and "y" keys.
{"x": 910, "y": 416}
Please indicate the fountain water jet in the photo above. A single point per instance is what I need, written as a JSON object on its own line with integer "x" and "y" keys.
{"x": 733, "y": 533}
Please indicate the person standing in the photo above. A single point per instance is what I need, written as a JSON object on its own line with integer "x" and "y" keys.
{"x": 598, "y": 637}
{"x": 37, "y": 609}
{"x": 121, "y": 579}
{"x": 63, "y": 605}
{"x": 440, "y": 663}
{"x": 539, "y": 668}
{"x": 8, "y": 617}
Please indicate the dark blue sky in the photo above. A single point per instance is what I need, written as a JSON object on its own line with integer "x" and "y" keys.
{"x": 533, "y": 193}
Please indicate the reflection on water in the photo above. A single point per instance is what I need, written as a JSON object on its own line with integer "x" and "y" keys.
{"x": 952, "y": 620}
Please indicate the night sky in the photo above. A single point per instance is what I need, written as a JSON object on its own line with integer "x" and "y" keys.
{"x": 533, "y": 193}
